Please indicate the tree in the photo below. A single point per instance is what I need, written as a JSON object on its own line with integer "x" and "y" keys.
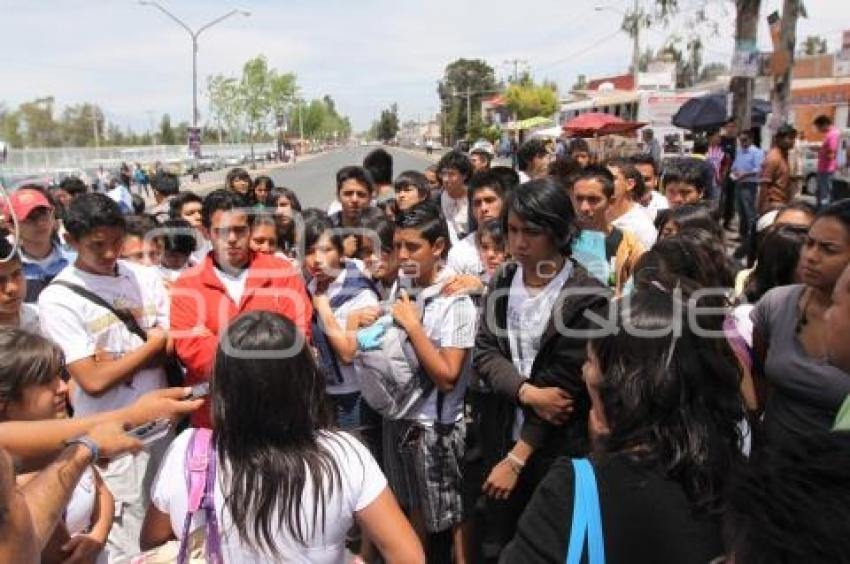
{"x": 255, "y": 97}
{"x": 10, "y": 127}
{"x": 166, "y": 133}
{"x": 531, "y": 101}
{"x": 225, "y": 103}
{"x": 39, "y": 127}
{"x": 813, "y": 45}
{"x": 388, "y": 124}
{"x": 78, "y": 123}
{"x": 464, "y": 77}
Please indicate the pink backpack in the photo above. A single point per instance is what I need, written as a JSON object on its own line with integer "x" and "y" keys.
{"x": 200, "y": 481}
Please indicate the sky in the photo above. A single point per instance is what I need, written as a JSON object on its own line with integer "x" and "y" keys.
{"x": 136, "y": 63}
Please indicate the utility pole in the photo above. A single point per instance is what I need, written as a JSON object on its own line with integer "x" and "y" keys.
{"x": 636, "y": 45}
{"x": 468, "y": 112}
{"x": 516, "y": 63}
{"x": 746, "y": 27}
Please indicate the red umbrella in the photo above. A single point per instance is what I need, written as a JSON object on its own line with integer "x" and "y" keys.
{"x": 597, "y": 123}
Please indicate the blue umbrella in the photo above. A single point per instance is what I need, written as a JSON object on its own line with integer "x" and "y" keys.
{"x": 709, "y": 112}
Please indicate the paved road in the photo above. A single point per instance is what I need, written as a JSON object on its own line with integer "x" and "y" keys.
{"x": 315, "y": 180}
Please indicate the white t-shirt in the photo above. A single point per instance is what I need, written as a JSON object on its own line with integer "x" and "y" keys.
{"x": 456, "y": 212}
{"x": 464, "y": 257}
{"x": 638, "y": 223}
{"x": 528, "y": 315}
{"x": 362, "y": 482}
{"x": 233, "y": 285}
{"x": 363, "y": 298}
{"x": 450, "y": 322}
{"x": 79, "y": 510}
{"x": 203, "y": 248}
{"x": 657, "y": 203}
{"x": 29, "y": 319}
{"x": 81, "y": 327}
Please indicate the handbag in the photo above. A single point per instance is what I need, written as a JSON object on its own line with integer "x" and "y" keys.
{"x": 587, "y": 517}
{"x": 173, "y": 368}
{"x": 203, "y": 545}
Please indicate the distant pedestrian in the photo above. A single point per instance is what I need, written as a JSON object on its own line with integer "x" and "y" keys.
{"x": 827, "y": 159}
{"x": 775, "y": 187}
{"x": 745, "y": 173}
{"x": 651, "y": 146}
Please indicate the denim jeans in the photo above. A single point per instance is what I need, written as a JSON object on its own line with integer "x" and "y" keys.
{"x": 745, "y": 198}
{"x": 824, "y": 196}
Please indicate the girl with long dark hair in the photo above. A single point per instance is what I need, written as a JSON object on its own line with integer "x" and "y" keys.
{"x": 290, "y": 486}
{"x": 664, "y": 417}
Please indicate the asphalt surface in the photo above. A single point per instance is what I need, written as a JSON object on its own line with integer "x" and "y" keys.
{"x": 314, "y": 181}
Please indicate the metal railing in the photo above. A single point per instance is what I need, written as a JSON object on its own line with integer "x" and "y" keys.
{"x": 49, "y": 160}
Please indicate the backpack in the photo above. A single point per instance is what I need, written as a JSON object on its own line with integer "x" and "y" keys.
{"x": 391, "y": 380}
{"x": 354, "y": 282}
{"x": 202, "y": 546}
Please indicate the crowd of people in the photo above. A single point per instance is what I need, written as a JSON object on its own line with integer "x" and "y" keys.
{"x": 468, "y": 363}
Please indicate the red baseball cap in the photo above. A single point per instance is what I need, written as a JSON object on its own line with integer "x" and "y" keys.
{"x": 24, "y": 201}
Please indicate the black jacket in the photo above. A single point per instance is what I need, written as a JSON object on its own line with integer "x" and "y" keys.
{"x": 558, "y": 363}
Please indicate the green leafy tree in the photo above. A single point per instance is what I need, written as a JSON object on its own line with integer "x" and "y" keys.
{"x": 461, "y": 77}
{"x": 527, "y": 101}
{"x": 388, "y": 123}
{"x": 225, "y": 105}
{"x": 166, "y": 132}
{"x": 10, "y": 127}
{"x": 78, "y": 122}
{"x": 40, "y": 129}
{"x": 255, "y": 96}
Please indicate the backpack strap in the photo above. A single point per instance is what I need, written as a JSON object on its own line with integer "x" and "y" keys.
{"x": 587, "y": 517}
{"x": 612, "y": 243}
{"x": 127, "y": 318}
{"x": 200, "y": 465}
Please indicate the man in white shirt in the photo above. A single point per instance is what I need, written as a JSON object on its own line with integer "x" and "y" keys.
{"x": 652, "y": 201}
{"x": 487, "y": 194}
{"x": 455, "y": 170}
{"x": 110, "y": 364}
{"x": 623, "y": 211}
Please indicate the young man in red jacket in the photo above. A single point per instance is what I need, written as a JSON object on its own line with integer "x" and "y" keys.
{"x": 230, "y": 281}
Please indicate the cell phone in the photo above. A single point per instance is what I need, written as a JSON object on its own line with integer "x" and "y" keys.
{"x": 151, "y": 432}
{"x": 199, "y": 391}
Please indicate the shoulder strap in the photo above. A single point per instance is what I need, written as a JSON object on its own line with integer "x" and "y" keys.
{"x": 197, "y": 459}
{"x": 587, "y": 517}
{"x": 123, "y": 315}
{"x": 612, "y": 243}
{"x": 200, "y": 482}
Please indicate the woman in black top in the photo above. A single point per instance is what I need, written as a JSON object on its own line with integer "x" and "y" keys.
{"x": 664, "y": 416}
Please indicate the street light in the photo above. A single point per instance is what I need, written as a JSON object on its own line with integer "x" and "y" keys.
{"x": 194, "y": 35}
{"x": 635, "y": 37}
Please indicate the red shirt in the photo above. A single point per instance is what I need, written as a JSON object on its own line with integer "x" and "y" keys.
{"x": 201, "y": 310}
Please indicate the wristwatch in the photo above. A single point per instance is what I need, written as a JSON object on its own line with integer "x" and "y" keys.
{"x": 88, "y": 443}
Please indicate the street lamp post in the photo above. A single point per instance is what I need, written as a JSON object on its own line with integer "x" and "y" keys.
{"x": 635, "y": 37}
{"x": 194, "y": 35}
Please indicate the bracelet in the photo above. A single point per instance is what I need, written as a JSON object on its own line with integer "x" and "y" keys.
{"x": 515, "y": 463}
{"x": 88, "y": 443}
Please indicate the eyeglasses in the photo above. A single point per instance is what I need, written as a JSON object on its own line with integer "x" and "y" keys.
{"x": 224, "y": 232}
